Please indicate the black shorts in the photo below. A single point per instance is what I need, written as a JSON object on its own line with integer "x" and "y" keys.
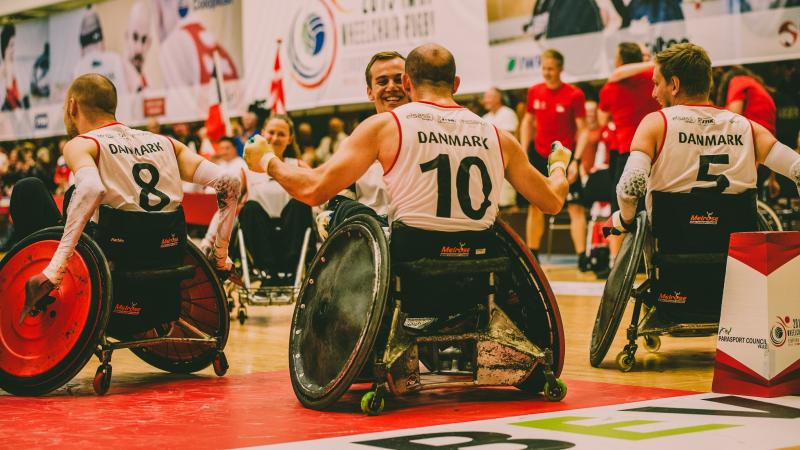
{"x": 539, "y": 163}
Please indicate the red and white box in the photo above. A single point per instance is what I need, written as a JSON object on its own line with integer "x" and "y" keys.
{"x": 758, "y": 346}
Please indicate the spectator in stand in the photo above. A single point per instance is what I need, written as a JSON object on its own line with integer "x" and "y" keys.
{"x": 504, "y": 118}
{"x": 182, "y": 133}
{"x": 62, "y": 175}
{"x": 330, "y": 143}
{"x": 153, "y": 126}
{"x": 252, "y": 122}
{"x": 305, "y": 143}
{"x": 555, "y": 111}
{"x": 625, "y": 103}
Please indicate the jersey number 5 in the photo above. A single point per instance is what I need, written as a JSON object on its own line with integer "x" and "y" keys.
{"x": 149, "y": 187}
{"x": 444, "y": 185}
{"x": 702, "y": 174}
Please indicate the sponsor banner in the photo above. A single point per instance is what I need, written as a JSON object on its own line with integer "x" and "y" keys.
{"x": 158, "y": 54}
{"x": 326, "y": 44}
{"x": 691, "y": 422}
{"x": 733, "y": 32}
{"x": 758, "y": 346}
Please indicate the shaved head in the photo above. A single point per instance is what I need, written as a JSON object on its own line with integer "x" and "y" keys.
{"x": 431, "y": 64}
{"x": 94, "y": 93}
{"x": 89, "y": 97}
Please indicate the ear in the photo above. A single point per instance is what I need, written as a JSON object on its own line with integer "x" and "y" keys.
{"x": 73, "y": 107}
{"x": 456, "y": 83}
{"x": 406, "y": 83}
{"x": 676, "y": 85}
{"x": 369, "y": 94}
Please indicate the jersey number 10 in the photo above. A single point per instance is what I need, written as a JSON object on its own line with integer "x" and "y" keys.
{"x": 444, "y": 185}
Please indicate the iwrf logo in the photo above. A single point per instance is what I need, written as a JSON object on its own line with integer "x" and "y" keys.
{"x": 312, "y": 44}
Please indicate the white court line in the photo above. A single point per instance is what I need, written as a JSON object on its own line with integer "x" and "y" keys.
{"x": 586, "y": 288}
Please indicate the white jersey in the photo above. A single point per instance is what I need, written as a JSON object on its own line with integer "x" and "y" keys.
{"x": 449, "y": 169}
{"x": 138, "y": 168}
{"x": 371, "y": 190}
{"x": 264, "y": 190}
{"x": 702, "y": 144}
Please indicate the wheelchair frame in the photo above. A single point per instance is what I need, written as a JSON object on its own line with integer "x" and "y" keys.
{"x": 248, "y": 295}
{"x": 102, "y": 345}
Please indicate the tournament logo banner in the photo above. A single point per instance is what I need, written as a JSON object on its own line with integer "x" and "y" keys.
{"x": 327, "y": 44}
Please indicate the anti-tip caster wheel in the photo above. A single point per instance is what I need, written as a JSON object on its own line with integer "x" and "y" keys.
{"x": 625, "y": 361}
{"x": 371, "y": 404}
{"x": 555, "y": 392}
{"x": 220, "y": 364}
{"x": 102, "y": 379}
{"x": 242, "y": 316}
{"x": 652, "y": 343}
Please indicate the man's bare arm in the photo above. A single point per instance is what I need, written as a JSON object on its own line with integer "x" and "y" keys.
{"x": 527, "y": 130}
{"x": 547, "y": 194}
{"x": 736, "y": 106}
{"x": 377, "y": 134}
{"x": 777, "y": 156}
{"x": 629, "y": 70}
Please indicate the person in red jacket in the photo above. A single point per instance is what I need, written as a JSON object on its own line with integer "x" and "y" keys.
{"x": 625, "y": 103}
{"x": 555, "y": 111}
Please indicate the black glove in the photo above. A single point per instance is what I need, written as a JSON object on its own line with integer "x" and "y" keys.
{"x": 37, "y": 290}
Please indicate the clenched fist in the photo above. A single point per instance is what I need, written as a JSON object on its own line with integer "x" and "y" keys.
{"x": 559, "y": 158}
{"x": 257, "y": 153}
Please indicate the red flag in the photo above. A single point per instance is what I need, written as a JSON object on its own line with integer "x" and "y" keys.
{"x": 216, "y": 121}
{"x": 277, "y": 97}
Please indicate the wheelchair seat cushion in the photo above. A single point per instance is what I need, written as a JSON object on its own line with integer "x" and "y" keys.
{"x": 138, "y": 244}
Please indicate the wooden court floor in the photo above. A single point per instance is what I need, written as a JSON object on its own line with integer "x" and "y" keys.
{"x": 260, "y": 345}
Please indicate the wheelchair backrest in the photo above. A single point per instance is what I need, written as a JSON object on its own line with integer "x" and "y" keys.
{"x": 691, "y": 232}
{"x": 700, "y": 222}
{"x": 410, "y": 244}
{"x": 142, "y": 240}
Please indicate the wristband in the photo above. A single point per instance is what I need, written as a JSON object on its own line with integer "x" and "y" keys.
{"x": 264, "y": 162}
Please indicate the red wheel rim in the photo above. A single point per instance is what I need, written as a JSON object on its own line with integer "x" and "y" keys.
{"x": 41, "y": 342}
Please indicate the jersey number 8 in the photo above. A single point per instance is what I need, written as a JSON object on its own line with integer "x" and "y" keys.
{"x": 149, "y": 187}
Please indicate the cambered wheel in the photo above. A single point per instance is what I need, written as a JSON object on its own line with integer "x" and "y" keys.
{"x": 652, "y": 343}
{"x": 102, "y": 379}
{"x": 48, "y": 348}
{"x": 555, "y": 392}
{"x": 372, "y": 404}
{"x": 204, "y": 308}
{"x": 625, "y": 362}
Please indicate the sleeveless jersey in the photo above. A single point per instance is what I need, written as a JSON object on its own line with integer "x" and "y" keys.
{"x": 704, "y": 144}
{"x": 138, "y": 168}
{"x": 448, "y": 171}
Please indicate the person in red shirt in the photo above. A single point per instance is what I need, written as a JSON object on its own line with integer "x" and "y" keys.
{"x": 555, "y": 111}
{"x": 625, "y": 103}
{"x": 744, "y": 92}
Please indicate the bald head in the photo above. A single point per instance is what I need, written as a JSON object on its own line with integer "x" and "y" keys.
{"x": 94, "y": 93}
{"x": 432, "y": 65}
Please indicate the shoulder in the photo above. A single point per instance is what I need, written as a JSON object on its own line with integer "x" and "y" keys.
{"x": 655, "y": 120}
{"x": 82, "y": 142}
{"x": 536, "y": 88}
{"x": 575, "y": 91}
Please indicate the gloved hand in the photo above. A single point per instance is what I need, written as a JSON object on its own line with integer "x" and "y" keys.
{"x": 323, "y": 219}
{"x": 225, "y": 269}
{"x": 37, "y": 290}
{"x": 616, "y": 225}
{"x": 257, "y": 153}
{"x": 559, "y": 158}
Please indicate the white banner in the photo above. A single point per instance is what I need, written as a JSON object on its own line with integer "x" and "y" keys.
{"x": 158, "y": 54}
{"x": 730, "y": 37}
{"x": 326, "y": 44}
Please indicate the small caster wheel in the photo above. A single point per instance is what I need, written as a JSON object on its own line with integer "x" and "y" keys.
{"x": 625, "y": 361}
{"x": 102, "y": 379}
{"x": 652, "y": 343}
{"x": 242, "y": 316}
{"x": 220, "y": 364}
{"x": 371, "y": 404}
{"x": 230, "y": 306}
{"x": 555, "y": 392}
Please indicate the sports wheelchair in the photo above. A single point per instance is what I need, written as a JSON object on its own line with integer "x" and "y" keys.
{"x": 684, "y": 253}
{"x": 137, "y": 283}
{"x": 260, "y": 291}
{"x": 472, "y": 307}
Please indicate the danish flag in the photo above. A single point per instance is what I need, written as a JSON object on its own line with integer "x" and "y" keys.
{"x": 276, "y": 95}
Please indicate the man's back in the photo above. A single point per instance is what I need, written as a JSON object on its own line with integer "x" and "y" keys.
{"x": 448, "y": 171}
{"x": 704, "y": 148}
{"x": 138, "y": 168}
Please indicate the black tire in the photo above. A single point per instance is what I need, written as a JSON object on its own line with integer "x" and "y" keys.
{"x": 208, "y": 313}
{"x": 534, "y": 309}
{"x": 320, "y": 378}
{"x": 90, "y": 332}
{"x": 617, "y": 291}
